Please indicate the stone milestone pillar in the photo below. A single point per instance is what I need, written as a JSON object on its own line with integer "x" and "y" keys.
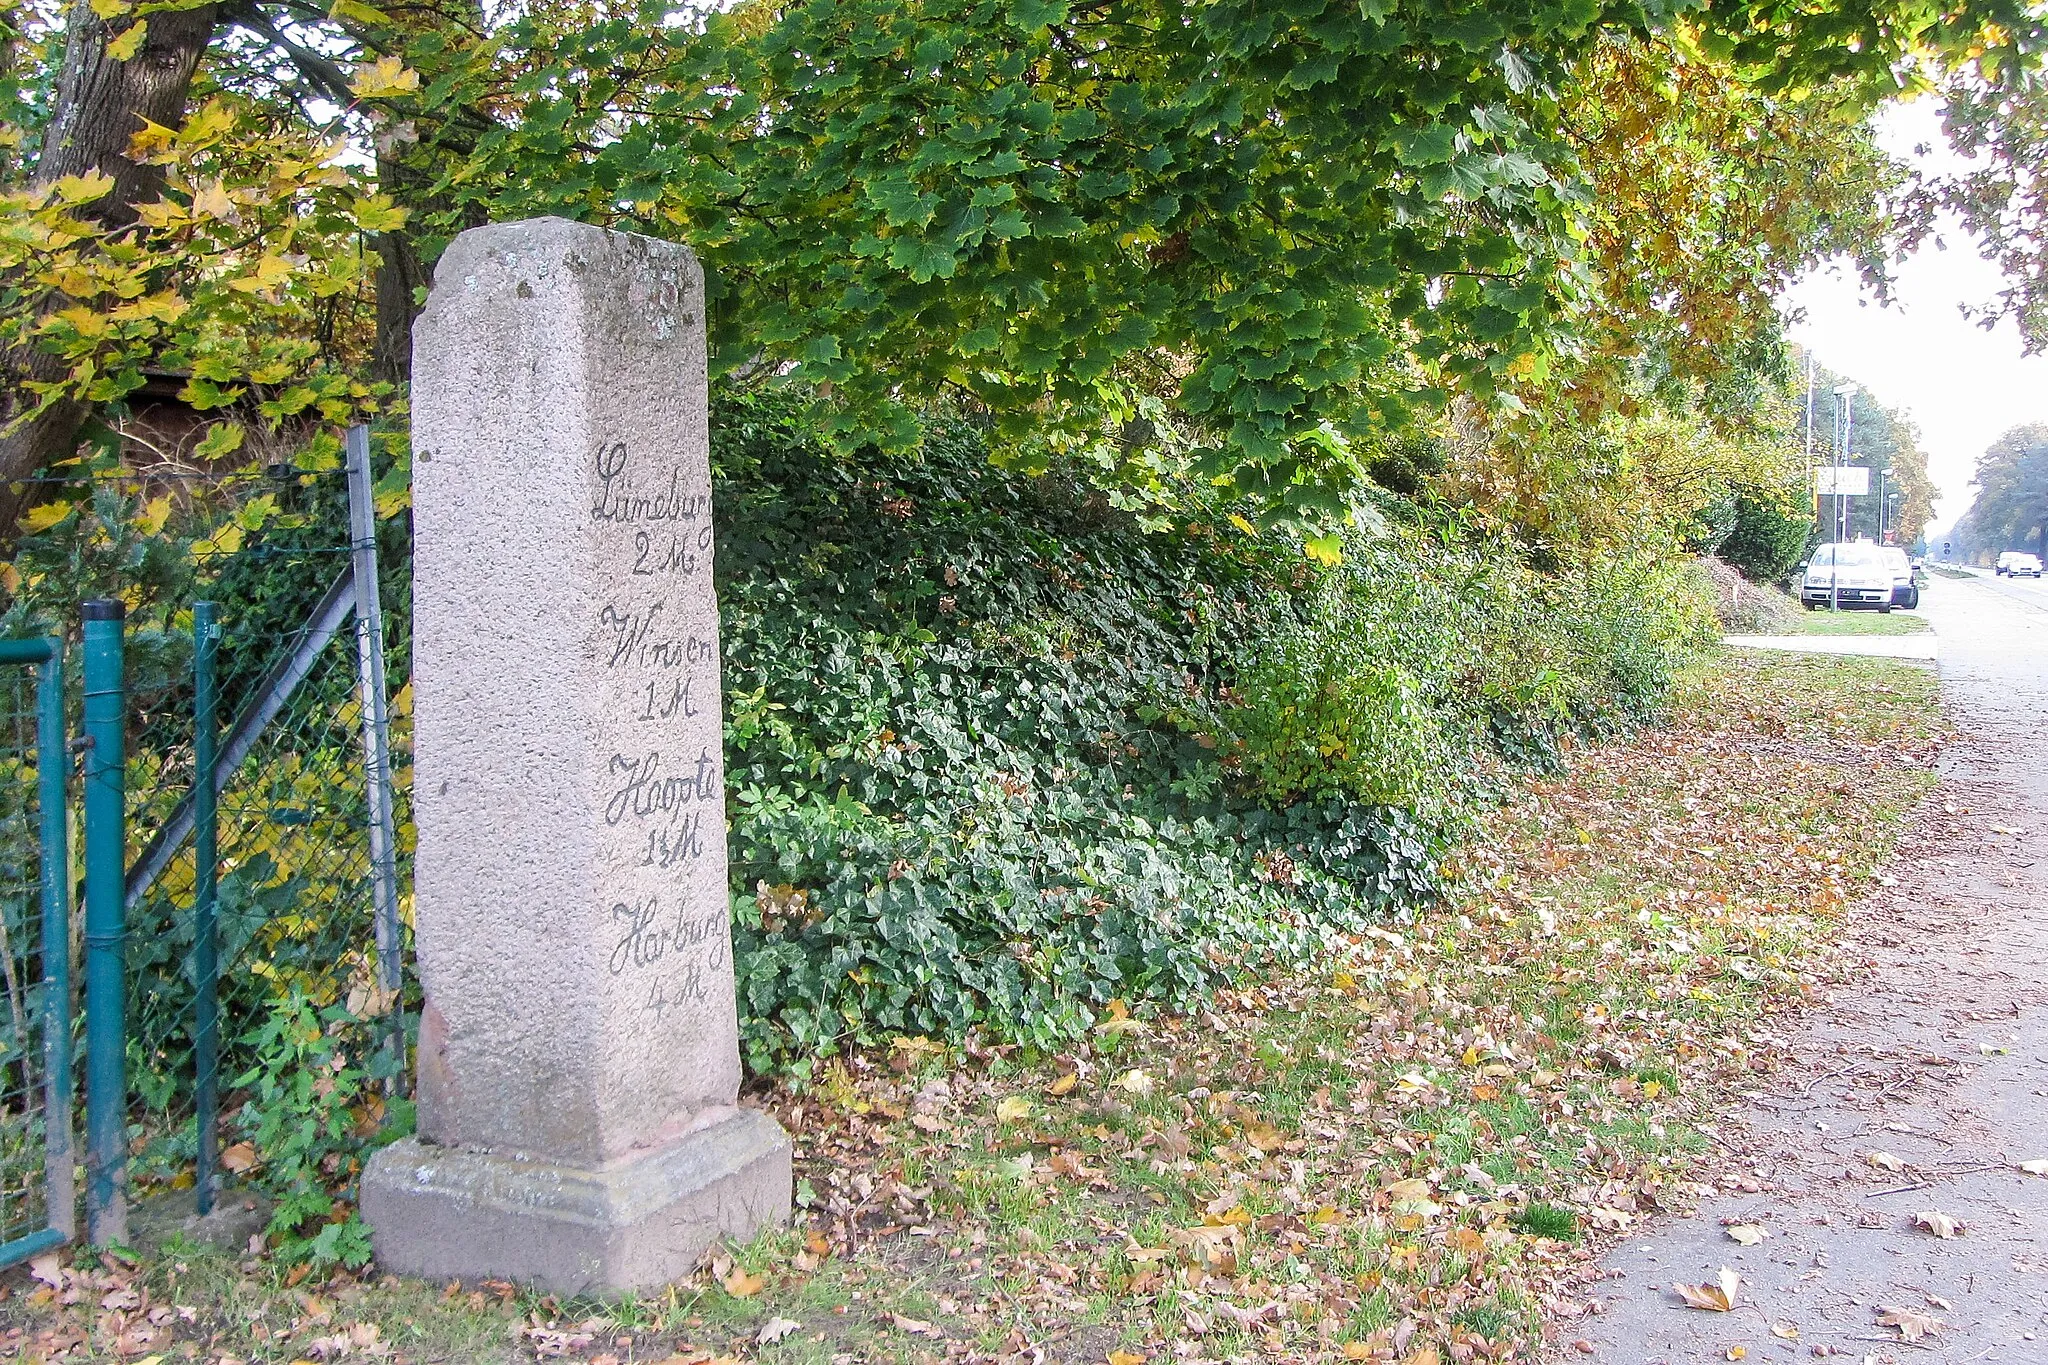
{"x": 578, "y": 1053}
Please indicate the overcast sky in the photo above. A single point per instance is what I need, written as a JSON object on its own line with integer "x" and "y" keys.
{"x": 1962, "y": 385}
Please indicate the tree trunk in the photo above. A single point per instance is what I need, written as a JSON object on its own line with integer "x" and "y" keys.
{"x": 399, "y": 270}
{"x": 100, "y": 103}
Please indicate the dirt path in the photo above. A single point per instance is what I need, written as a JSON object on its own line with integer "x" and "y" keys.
{"x": 1936, "y": 1060}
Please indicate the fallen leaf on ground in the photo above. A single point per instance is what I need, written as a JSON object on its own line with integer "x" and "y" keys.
{"x": 1738, "y": 1352}
{"x": 1912, "y": 1324}
{"x": 1940, "y": 1224}
{"x": 741, "y": 1285}
{"x": 1064, "y": 1084}
{"x": 1014, "y": 1108}
{"x": 1886, "y": 1161}
{"x": 1717, "y": 1297}
{"x": 1785, "y": 1331}
{"x": 1748, "y": 1234}
{"x": 1136, "y": 1081}
{"x": 238, "y": 1158}
{"x": 1125, "y": 1358}
{"x": 915, "y": 1326}
{"x": 775, "y": 1329}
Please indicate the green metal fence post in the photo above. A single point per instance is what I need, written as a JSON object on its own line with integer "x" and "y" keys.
{"x": 106, "y": 1089}
{"x": 53, "y": 768}
{"x": 205, "y": 929}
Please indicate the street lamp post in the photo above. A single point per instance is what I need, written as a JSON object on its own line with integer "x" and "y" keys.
{"x": 1844, "y": 417}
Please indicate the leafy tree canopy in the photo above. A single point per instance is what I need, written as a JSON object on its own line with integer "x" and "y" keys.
{"x": 1256, "y": 242}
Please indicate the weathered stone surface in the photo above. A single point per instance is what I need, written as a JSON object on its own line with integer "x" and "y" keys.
{"x": 632, "y": 1224}
{"x": 570, "y": 886}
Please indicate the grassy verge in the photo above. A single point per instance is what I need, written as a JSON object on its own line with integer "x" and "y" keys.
{"x": 1402, "y": 1157}
{"x": 1858, "y": 623}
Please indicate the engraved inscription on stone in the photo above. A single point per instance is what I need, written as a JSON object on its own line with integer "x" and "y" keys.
{"x": 664, "y": 777}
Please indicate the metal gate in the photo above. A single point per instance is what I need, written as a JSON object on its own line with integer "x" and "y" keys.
{"x": 37, "y": 1207}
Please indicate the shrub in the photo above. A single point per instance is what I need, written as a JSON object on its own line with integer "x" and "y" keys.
{"x": 1770, "y": 534}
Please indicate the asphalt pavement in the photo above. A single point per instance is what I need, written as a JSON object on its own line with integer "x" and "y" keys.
{"x": 1921, "y": 1085}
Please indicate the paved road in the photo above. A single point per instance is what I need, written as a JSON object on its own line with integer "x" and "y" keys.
{"x": 1937, "y": 1056}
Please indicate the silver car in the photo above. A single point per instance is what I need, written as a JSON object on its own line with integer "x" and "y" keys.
{"x": 1905, "y": 592}
{"x": 1850, "y": 574}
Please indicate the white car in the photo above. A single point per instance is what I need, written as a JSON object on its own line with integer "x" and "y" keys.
{"x": 2018, "y": 564}
{"x": 1850, "y": 574}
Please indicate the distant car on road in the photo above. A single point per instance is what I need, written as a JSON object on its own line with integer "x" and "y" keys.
{"x": 2018, "y": 564}
{"x": 1850, "y": 574}
{"x": 1905, "y": 592}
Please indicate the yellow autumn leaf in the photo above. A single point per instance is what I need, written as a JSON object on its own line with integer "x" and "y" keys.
{"x": 43, "y": 518}
{"x": 83, "y": 321}
{"x": 1064, "y": 1084}
{"x": 270, "y": 272}
{"x": 149, "y": 140}
{"x": 208, "y": 125}
{"x": 384, "y": 77}
{"x": 1013, "y": 1108}
{"x": 742, "y": 1285}
{"x": 111, "y": 9}
{"x": 211, "y": 201}
{"x": 225, "y": 541}
{"x": 129, "y": 41}
{"x": 162, "y": 307}
{"x": 376, "y": 213}
{"x": 160, "y": 213}
{"x": 1126, "y": 1358}
{"x": 153, "y": 515}
{"x": 74, "y": 281}
{"x": 83, "y": 189}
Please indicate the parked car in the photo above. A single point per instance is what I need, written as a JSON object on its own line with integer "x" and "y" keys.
{"x": 1850, "y": 574}
{"x": 2019, "y": 564}
{"x": 1905, "y": 591}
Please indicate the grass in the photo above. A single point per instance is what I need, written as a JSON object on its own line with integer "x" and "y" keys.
{"x": 1405, "y": 1156}
{"x": 1858, "y": 623}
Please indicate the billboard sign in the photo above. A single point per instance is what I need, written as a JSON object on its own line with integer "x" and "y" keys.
{"x": 1850, "y": 480}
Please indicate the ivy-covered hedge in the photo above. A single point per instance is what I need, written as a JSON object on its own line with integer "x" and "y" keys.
{"x": 996, "y": 755}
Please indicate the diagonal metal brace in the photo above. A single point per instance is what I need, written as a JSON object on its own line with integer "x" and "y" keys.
{"x": 334, "y": 611}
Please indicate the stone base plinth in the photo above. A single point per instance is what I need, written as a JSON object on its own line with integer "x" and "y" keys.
{"x": 444, "y": 1213}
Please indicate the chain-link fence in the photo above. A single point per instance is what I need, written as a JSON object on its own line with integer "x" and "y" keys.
{"x": 35, "y": 953}
{"x": 293, "y": 910}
